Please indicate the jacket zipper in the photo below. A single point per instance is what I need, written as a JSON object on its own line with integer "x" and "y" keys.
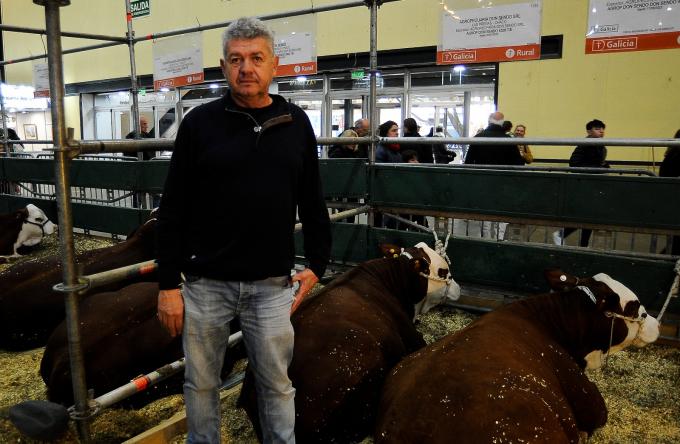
{"x": 259, "y": 129}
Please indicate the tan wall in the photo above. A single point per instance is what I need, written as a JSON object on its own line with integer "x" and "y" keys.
{"x": 635, "y": 93}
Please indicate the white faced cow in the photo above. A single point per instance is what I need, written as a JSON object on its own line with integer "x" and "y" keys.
{"x": 24, "y": 227}
{"x": 516, "y": 374}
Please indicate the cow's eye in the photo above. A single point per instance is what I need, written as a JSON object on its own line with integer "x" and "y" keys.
{"x": 442, "y": 273}
{"x": 39, "y": 219}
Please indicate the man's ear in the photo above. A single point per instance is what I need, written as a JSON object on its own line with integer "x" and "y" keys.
{"x": 223, "y": 66}
{"x": 390, "y": 250}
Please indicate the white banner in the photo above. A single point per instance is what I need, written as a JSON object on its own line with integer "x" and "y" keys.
{"x": 499, "y": 33}
{"x": 295, "y": 45}
{"x": 633, "y": 25}
{"x": 41, "y": 79}
{"x": 178, "y": 61}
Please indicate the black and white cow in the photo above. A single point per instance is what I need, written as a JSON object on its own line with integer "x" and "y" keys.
{"x": 24, "y": 227}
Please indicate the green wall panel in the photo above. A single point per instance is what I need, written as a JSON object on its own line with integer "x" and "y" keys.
{"x": 519, "y": 267}
{"x": 343, "y": 177}
{"x": 598, "y": 200}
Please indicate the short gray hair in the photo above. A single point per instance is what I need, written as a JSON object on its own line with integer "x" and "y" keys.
{"x": 246, "y": 28}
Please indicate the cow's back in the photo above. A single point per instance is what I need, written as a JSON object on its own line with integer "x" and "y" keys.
{"x": 121, "y": 339}
{"x": 346, "y": 340}
{"x": 30, "y": 309}
{"x": 501, "y": 379}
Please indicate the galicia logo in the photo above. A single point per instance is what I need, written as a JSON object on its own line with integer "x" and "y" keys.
{"x": 510, "y": 53}
{"x": 618, "y": 44}
{"x": 459, "y": 56}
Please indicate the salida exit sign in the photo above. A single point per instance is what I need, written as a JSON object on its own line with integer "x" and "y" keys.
{"x": 140, "y": 8}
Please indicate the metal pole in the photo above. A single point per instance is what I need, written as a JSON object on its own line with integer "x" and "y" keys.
{"x": 68, "y": 51}
{"x": 62, "y": 191}
{"x": 5, "y": 136}
{"x": 278, "y": 15}
{"x": 373, "y": 98}
{"x": 133, "y": 70}
{"x": 373, "y": 69}
{"x": 78, "y": 35}
{"x": 532, "y": 141}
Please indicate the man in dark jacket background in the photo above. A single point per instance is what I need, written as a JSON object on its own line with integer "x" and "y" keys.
{"x": 497, "y": 154}
{"x": 424, "y": 152}
{"x": 591, "y": 156}
{"x": 586, "y": 156}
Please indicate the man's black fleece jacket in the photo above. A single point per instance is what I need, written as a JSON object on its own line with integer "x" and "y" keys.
{"x": 235, "y": 181}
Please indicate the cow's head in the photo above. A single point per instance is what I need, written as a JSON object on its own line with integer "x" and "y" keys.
{"x": 621, "y": 319}
{"x": 35, "y": 226}
{"x": 431, "y": 265}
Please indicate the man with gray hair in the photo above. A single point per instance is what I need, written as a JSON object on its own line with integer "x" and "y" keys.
{"x": 496, "y": 154}
{"x": 250, "y": 158}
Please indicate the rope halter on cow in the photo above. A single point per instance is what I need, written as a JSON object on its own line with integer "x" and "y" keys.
{"x": 610, "y": 314}
{"x": 447, "y": 281}
{"x": 38, "y": 224}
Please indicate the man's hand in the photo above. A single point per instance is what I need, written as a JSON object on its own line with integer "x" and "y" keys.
{"x": 171, "y": 310}
{"x": 307, "y": 280}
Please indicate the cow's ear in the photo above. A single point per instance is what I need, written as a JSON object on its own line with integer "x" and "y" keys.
{"x": 22, "y": 214}
{"x": 558, "y": 280}
{"x": 607, "y": 300}
{"x": 390, "y": 250}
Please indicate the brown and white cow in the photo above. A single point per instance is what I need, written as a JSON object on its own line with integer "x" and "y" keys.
{"x": 349, "y": 336}
{"x": 516, "y": 374}
{"x": 24, "y": 227}
{"x": 121, "y": 338}
{"x": 30, "y": 309}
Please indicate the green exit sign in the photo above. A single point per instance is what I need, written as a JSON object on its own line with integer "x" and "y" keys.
{"x": 140, "y": 8}
{"x": 358, "y": 74}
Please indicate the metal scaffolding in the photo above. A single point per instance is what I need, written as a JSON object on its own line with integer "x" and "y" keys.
{"x": 66, "y": 148}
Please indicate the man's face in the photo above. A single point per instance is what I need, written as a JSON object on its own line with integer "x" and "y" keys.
{"x": 596, "y": 132}
{"x": 143, "y": 125}
{"x": 520, "y": 131}
{"x": 249, "y": 68}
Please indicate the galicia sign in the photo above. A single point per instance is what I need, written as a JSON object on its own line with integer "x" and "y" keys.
{"x": 503, "y": 33}
{"x": 632, "y": 25}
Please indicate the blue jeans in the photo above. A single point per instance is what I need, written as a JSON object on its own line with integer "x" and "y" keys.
{"x": 264, "y": 310}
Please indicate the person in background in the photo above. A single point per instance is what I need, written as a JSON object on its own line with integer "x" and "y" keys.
{"x": 591, "y": 156}
{"x": 7, "y": 187}
{"x": 507, "y": 128}
{"x": 670, "y": 167}
{"x": 441, "y": 154}
{"x": 388, "y": 153}
{"x": 261, "y": 151}
{"x": 144, "y": 133}
{"x": 13, "y": 147}
{"x": 356, "y": 151}
{"x": 503, "y": 153}
{"x": 586, "y": 156}
{"x": 410, "y": 156}
{"x": 411, "y": 129}
{"x": 524, "y": 151}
